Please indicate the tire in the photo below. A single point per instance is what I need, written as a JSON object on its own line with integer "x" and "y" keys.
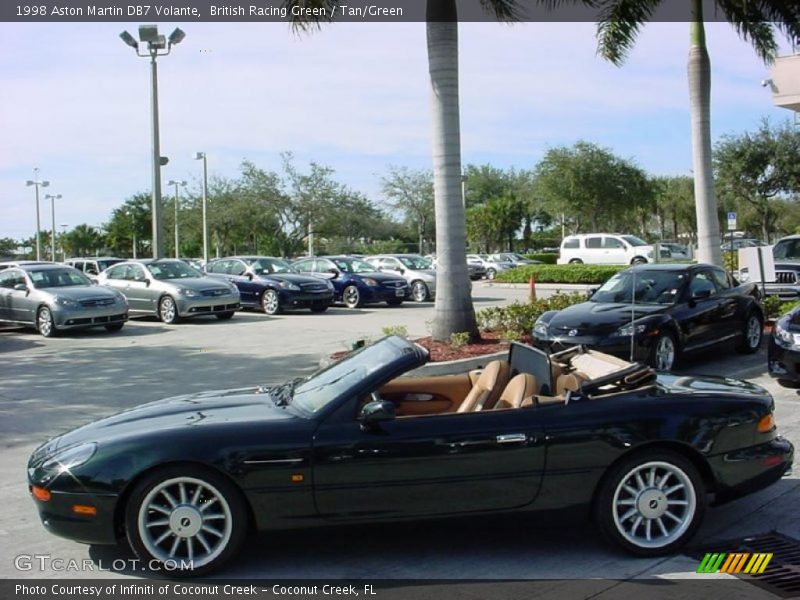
{"x": 224, "y": 316}
{"x": 661, "y": 358}
{"x": 752, "y": 332}
{"x": 168, "y": 310}
{"x": 319, "y": 308}
{"x": 45, "y": 323}
{"x": 576, "y": 261}
{"x": 168, "y": 531}
{"x": 114, "y": 327}
{"x": 271, "y": 302}
{"x": 491, "y": 274}
{"x": 638, "y": 260}
{"x": 394, "y": 301}
{"x": 666, "y": 501}
{"x": 420, "y": 291}
{"x": 352, "y": 297}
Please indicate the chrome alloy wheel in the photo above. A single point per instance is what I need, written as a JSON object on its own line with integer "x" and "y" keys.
{"x": 753, "y": 332}
{"x": 185, "y": 519}
{"x": 351, "y": 297}
{"x": 45, "y": 322}
{"x": 654, "y": 504}
{"x": 665, "y": 353}
{"x": 419, "y": 291}
{"x": 167, "y": 310}
{"x": 270, "y": 302}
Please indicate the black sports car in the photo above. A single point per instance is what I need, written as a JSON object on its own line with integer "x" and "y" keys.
{"x": 783, "y": 356}
{"x": 358, "y": 442}
{"x": 656, "y": 313}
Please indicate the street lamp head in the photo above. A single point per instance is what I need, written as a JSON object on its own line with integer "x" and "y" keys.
{"x": 176, "y": 37}
{"x": 30, "y": 183}
{"x": 129, "y": 39}
{"x": 149, "y": 34}
{"x": 45, "y": 183}
{"x": 199, "y": 155}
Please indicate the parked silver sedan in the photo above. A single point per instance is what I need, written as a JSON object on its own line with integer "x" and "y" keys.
{"x": 417, "y": 271}
{"x": 171, "y": 290}
{"x": 53, "y": 298}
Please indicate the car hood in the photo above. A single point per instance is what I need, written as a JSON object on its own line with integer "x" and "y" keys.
{"x": 197, "y": 284}
{"x": 378, "y": 276}
{"x": 80, "y": 292}
{"x": 191, "y": 410}
{"x": 599, "y": 318}
{"x": 709, "y": 384}
{"x": 295, "y": 278}
{"x": 427, "y": 274}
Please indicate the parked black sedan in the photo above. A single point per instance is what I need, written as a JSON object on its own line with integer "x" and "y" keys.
{"x": 272, "y": 284}
{"x": 656, "y": 313}
{"x": 783, "y": 357}
{"x": 357, "y": 442}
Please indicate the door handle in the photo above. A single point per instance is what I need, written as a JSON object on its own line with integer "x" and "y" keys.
{"x": 512, "y": 438}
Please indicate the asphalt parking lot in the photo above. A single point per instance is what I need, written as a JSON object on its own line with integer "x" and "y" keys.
{"x": 49, "y": 385}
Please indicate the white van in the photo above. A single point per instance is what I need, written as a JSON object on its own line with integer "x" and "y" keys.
{"x": 604, "y": 249}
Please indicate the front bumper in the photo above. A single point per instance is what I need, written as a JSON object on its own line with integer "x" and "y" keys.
{"x": 742, "y": 472}
{"x": 193, "y": 307}
{"x": 81, "y": 317}
{"x": 59, "y": 517}
{"x": 616, "y": 346}
{"x": 383, "y": 294}
{"x": 290, "y": 299}
{"x": 784, "y": 364}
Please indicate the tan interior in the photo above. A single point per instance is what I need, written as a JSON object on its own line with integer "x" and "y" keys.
{"x": 487, "y": 388}
{"x": 521, "y": 386}
{"x": 426, "y": 395}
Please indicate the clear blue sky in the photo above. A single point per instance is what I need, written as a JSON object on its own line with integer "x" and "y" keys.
{"x": 75, "y": 103}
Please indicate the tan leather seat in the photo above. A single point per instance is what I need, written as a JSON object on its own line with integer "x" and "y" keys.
{"x": 520, "y": 387}
{"x": 488, "y": 387}
{"x": 569, "y": 381}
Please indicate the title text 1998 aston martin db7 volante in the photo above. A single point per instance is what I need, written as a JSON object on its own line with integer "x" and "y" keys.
{"x": 359, "y": 442}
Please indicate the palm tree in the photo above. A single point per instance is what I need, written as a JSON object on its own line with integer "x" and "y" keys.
{"x": 755, "y": 21}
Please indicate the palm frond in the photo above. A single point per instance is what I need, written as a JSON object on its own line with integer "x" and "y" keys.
{"x": 312, "y": 21}
{"x": 618, "y": 23}
{"x": 752, "y": 22}
{"x": 502, "y": 10}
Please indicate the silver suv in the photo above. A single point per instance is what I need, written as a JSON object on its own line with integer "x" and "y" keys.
{"x": 416, "y": 270}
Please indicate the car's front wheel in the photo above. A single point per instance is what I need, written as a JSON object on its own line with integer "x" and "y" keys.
{"x": 186, "y": 518}
{"x": 752, "y": 332}
{"x": 45, "y": 323}
{"x": 351, "y": 297}
{"x": 168, "y": 310}
{"x": 271, "y": 302}
{"x": 419, "y": 291}
{"x": 491, "y": 273}
{"x": 650, "y": 503}
{"x": 664, "y": 352}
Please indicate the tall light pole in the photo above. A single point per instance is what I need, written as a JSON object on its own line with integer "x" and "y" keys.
{"x": 53, "y": 199}
{"x": 199, "y": 156}
{"x": 177, "y": 201}
{"x": 36, "y": 183}
{"x": 153, "y": 42}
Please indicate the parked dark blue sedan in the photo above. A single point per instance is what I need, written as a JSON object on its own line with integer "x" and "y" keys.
{"x": 356, "y": 281}
{"x": 272, "y": 284}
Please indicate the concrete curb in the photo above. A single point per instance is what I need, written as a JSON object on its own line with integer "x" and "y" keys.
{"x": 549, "y": 287}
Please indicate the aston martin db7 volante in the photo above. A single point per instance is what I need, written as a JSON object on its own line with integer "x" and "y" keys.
{"x": 359, "y": 441}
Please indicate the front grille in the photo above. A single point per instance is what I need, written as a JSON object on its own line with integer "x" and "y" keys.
{"x": 314, "y": 287}
{"x": 395, "y": 284}
{"x": 97, "y": 302}
{"x": 789, "y": 277}
{"x": 216, "y": 292}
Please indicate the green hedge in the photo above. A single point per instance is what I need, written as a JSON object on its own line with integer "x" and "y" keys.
{"x": 548, "y": 258}
{"x": 589, "y": 274}
{"x": 517, "y": 319}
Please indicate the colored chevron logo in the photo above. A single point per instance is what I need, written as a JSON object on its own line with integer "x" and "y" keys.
{"x": 735, "y": 562}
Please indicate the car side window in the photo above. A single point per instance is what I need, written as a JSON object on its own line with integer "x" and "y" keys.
{"x": 594, "y": 242}
{"x": 391, "y": 263}
{"x": 306, "y": 266}
{"x": 7, "y": 279}
{"x": 611, "y": 242}
{"x": 721, "y": 279}
{"x": 91, "y": 268}
{"x": 236, "y": 267}
{"x": 572, "y": 244}
{"x": 135, "y": 273}
{"x": 215, "y": 267}
{"x": 701, "y": 282}
{"x": 78, "y": 265}
{"x": 117, "y": 272}
{"x": 324, "y": 266}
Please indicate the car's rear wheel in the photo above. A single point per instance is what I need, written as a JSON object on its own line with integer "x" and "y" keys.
{"x": 351, "y": 297}
{"x": 491, "y": 273}
{"x": 576, "y": 261}
{"x": 114, "y": 327}
{"x": 271, "y": 302}
{"x": 752, "y": 333}
{"x": 224, "y": 316}
{"x": 187, "y": 518}
{"x": 664, "y": 352}
{"x": 419, "y": 291}
{"x": 168, "y": 310}
{"x": 639, "y": 260}
{"x": 45, "y": 323}
{"x": 651, "y": 503}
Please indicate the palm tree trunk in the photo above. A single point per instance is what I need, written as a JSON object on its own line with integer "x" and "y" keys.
{"x": 453, "y": 312}
{"x": 708, "y": 240}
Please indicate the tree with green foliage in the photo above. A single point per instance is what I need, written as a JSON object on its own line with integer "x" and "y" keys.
{"x": 411, "y": 193}
{"x": 619, "y": 23}
{"x": 130, "y": 222}
{"x": 83, "y": 240}
{"x": 675, "y": 206}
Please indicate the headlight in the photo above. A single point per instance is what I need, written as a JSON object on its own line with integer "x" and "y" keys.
{"x": 70, "y": 457}
{"x": 627, "y": 330}
{"x": 785, "y": 338}
{"x": 64, "y": 301}
{"x": 540, "y": 328}
{"x": 188, "y": 292}
{"x": 288, "y": 285}
{"x": 370, "y": 282}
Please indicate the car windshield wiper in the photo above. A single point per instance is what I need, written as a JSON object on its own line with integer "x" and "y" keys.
{"x": 282, "y": 394}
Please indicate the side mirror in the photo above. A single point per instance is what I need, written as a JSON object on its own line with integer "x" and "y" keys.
{"x": 377, "y": 411}
{"x": 147, "y": 282}
{"x": 401, "y": 270}
{"x": 701, "y": 294}
{"x": 334, "y": 272}
{"x": 250, "y": 276}
{"x": 21, "y": 287}
{"x": 591, "y": 292}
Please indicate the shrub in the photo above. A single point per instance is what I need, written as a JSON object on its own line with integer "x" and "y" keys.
{"x": 772, "y": 307}
{"x": 400, "y": 330}
{"x": 788, "y": 306}
{"x": 548, "y": 258}
{"x": 511, "y": 335}
{"x": 518, "y": 318}
{"x": 459, "y": 340}
{"x": 589, "y": 274}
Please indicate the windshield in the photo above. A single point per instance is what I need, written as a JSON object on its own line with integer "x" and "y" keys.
{"x": 173, "y": 269}
{"x": 634, "y": 241}
{"x": 652, "y": 287}
{"x": 353, "y": 265}
{"x": 415, "y": 262}
{"x": 319, "y": 390}
{"x": 787, "y": 249}
{"x": 264, "y": 266}
{"x": 51, "y": 278}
